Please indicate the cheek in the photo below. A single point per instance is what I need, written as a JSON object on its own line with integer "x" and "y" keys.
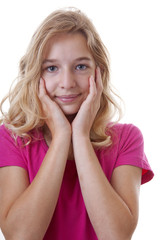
{"x": 84, "y": 86}
{"x": 83, "y": 82}
{"x": 50, "y": 85}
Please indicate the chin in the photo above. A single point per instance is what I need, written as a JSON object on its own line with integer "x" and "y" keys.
{"x": 70, "y": 111}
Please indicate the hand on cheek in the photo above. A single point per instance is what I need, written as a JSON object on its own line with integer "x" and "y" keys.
{"x": 89, "y": 108}
{"x": 55, "y": 118}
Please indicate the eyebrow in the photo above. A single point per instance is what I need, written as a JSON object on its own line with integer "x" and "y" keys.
{"x": 83, "y": 58}
{"x": 77, "y": 59}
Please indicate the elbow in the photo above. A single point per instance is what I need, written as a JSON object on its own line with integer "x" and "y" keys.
{"x": 19, "y": 235}
{"x": 19, "y": 231}
{"x": 126, "y": 227}
{"x": 120, "y": 230}
{"x": 125, "y": 231}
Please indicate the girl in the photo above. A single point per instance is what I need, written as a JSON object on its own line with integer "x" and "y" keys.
{"x": 67, "y": 170}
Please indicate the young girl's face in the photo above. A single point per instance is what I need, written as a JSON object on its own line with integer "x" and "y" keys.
{"x": 66, "y": 69}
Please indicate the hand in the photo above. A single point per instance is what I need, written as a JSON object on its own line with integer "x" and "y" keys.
{"x": 89, "y": 108}
{"x": 55, "y": 118}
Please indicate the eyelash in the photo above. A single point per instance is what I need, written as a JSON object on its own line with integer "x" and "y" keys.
{"x": 83, "y": 66}
{"x": 80, "y": 67}
{"x": 49, "y": 68}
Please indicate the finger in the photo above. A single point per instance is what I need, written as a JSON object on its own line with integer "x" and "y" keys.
{"x": 99, "y": 83}
{"x": 98, "y": 87}
{"x": 92, "y": 90}
{"x": 42, "y": 89}
{"x": 92, "y": 87}
{"x": 43, "y": 96}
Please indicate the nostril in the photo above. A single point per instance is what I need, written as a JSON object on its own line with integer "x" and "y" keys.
{"x": 67, "y": 81}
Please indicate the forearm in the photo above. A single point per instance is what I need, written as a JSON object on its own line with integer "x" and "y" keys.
{"x": 31, "y": 213}
{"x": 109, "y": 214}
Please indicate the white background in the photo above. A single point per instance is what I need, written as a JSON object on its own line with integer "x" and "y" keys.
{"x": 131, "y": 31}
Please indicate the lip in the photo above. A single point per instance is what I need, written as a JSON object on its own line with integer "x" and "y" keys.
{"x": 68, "y": 98}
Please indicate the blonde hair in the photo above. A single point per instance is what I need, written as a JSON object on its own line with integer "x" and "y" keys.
{"x": 25, "y": 111}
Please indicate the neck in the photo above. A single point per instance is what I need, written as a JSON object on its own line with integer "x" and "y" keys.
{"x": 70, "y": 118}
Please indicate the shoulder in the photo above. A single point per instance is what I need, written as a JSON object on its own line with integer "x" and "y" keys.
{"x": 10, "y": 144}
{"x": 126, "y": 128}
{"x": 126, "y": 133}
{"x": 127, "y": 138}
{"x": 3, "y": 130}
{"x": 129, "y": 143}
{"x": 5, "y": 135}
{"x": 8, "y": 135}
{"x": 15, "y": 152}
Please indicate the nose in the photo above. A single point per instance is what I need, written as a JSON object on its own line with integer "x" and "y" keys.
{"x": 67, "y": 80}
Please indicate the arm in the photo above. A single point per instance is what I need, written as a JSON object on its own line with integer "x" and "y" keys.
{"x": 26, "y": 210}
{"x": 112, "y": 207}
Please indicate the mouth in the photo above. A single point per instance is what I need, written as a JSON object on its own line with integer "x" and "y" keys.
{"x": 67, "y": 98}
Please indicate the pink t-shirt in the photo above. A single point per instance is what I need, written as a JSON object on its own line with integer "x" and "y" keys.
{"x": 70, "y": 219}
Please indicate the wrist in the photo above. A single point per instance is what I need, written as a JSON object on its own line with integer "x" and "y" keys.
{"x": 62, "y": 136}
{"x": 58, "y": 139}
{"x": 61, "y": 142}
{"x": 81, "y": 137}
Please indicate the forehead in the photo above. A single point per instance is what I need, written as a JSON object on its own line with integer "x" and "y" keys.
{"x": 67, "y": 44}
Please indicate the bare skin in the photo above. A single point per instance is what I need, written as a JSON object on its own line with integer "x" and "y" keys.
{"x": 114, "y": 211}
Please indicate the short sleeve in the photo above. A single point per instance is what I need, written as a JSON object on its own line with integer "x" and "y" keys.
{"x": 10, "y": 152}
{"x": 131, "y": 151}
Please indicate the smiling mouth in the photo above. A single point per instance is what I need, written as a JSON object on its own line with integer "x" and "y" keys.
{"x": 67, "y": 98}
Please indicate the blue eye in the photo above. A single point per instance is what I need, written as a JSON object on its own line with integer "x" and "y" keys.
{"x": 81, "y": 67}
{"x": 52, "y": 69}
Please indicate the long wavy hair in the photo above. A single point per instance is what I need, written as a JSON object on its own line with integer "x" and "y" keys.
{"x": 25, "y": 111}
